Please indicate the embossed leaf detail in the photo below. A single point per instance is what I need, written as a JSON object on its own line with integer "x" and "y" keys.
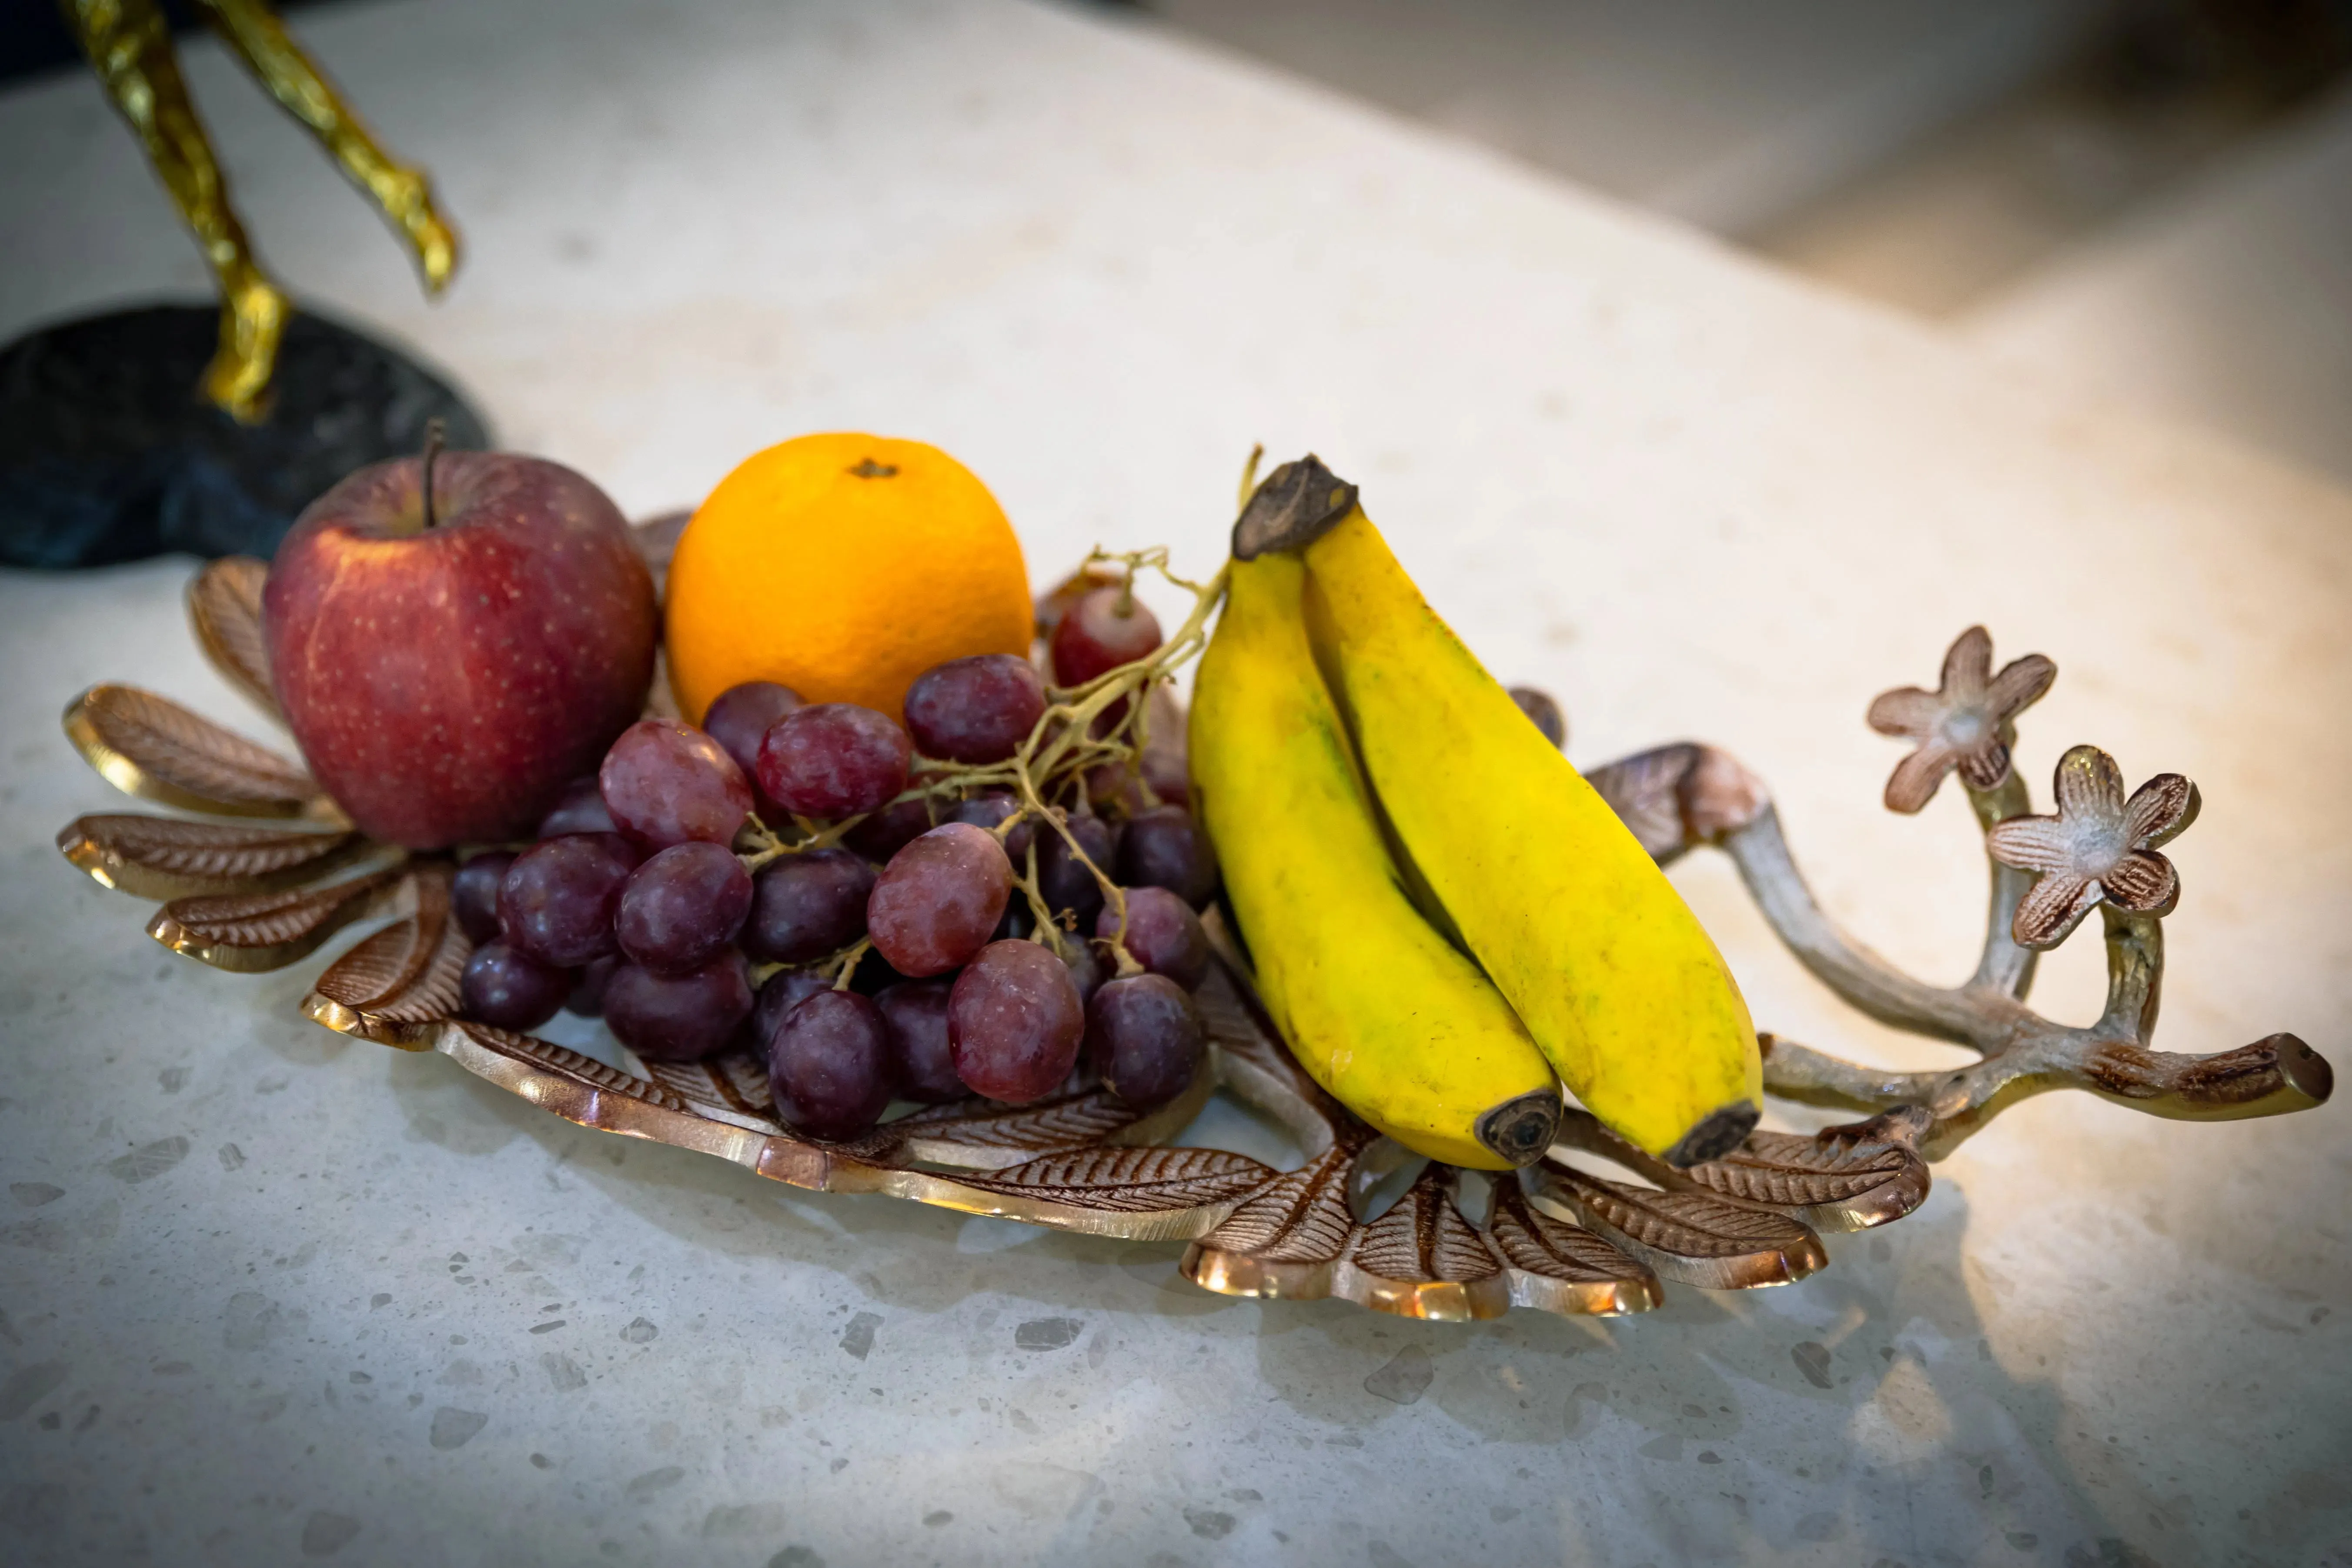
{"x": 169, "y": 857}
{"x": 982, "y": 1136}
{"x": 1691, "y": 1236}
{"x": 1836, "y": 1184}
{"x": 1301, "y": 1218}
{"x": 732, "y": 1084}
{"x": 1425, "y": 1237}
{"x": 1132, "y": 1180}
{"x": 408, "y": 973}
{"x": 224, "y": 608}
{"x": 149, "y": 745}
{"x": 548, "y": 1056}
{"x": 1532, "y": 1240}
{"x": 263, "y": 930}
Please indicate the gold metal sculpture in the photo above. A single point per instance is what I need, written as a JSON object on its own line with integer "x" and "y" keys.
{"x": 1571, "y": 1234}
{"x": 130, "y": 45}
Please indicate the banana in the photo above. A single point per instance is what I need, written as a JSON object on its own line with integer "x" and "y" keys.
{"x": 1381, "y": 1010}
{"x": 1615, "y": 978}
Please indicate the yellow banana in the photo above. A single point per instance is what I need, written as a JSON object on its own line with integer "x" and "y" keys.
{"x": 1614, "y": 976}
{"x": 1388, "y": 1015}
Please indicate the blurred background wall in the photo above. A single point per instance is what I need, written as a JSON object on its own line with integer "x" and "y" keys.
{"x": 2151, "y": 199}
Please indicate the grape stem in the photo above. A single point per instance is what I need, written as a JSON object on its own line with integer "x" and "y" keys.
{"x": 768, "y": 844}
{"x": 1060, "y": 751}
{"x": 848, "y": 962}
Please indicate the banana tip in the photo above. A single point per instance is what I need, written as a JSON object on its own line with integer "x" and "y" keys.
{"x": 1520, "y": 1129}
{"x": 1296, "y": 504}
{"x": 1716, "y": 1133}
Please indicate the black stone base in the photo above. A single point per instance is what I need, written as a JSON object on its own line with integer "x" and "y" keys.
{"x": 109, "y": 454}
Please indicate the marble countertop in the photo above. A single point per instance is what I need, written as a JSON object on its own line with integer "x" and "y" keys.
{"x": 268, "y": 1294}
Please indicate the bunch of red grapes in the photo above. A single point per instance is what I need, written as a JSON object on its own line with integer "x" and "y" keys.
{"x": 899, "y": 960}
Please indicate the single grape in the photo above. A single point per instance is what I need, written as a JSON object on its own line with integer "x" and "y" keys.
{"x": 829, "y": 1065}
{"x": 1089, "y": 968}
{"x": 1540, "y": 707}
{"x": 1109, "y": 627}
{"x": 1145, "y": 1037}
{"x": 1063, "y": 878}
{"x": 1166, "y": 847}
{"x": 806, "y": 905}
{"x": 991, "y": 808}
{"x": 1162, "y": 933}
{"x": 678, "y": 1017}
{"x": 474, "y": 895}
{"x": 916, "y": 1012}
{"x": 780, "y": 993}
{"x": 934, "y": 904}
{"x": 834, "y": 760}
{"x": 976, "y": 709}
{"x": 666, "y": 783}
{"x": 587, "y": 998}
{"x": 740, "y": 715}
{"x": 1014, "y": 1023}
{"x": 502, "y": 987}
{"x": 891, "y": 830}
{"x": 580, "y": 809}
{"x": 556, "y": 901}
{"x": 681, "y": 907}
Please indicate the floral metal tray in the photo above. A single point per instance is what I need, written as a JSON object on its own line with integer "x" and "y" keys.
{"x": 265, "y": 870}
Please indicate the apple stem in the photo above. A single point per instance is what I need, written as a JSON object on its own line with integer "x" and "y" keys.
{"x": 433, "y": 433}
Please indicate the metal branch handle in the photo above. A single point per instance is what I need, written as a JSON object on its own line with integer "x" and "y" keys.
{"x": 1680, "y": 796}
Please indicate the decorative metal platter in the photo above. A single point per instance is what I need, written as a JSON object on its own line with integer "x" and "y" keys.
{"x": 242, "y": 892}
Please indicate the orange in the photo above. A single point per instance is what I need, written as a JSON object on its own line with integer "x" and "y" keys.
{"x": 844, "y": 567}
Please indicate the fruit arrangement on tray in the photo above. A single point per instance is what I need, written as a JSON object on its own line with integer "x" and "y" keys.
{"x": 915, "y": 887}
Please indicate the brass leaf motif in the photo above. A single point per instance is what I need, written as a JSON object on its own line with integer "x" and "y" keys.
{"x": 1422, "y": 1260}
{"x": 1131, "y": 1181}
{"x": 152, "y": 747}
{"x": 173, "y": 858}
{"x": 1690, "y": 1236}
{"x": 1423, "y": 1235}
{"x": 978, "y": 1135}
{"x": 732, "y": 1086}
{"x": 224, "y": 608}
{"x": 1283, "y": 1240}
{"x": 1301, "y": 1218}
{"x": 254, "y": 932}
{"x": 548, "y": 1057}
{"x": 1564, "y": 1268}
{"x": 1830, "y": 1184}
{"x": 396, "y": 984}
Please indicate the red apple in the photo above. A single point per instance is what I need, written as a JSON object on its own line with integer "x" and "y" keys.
{"x": 446, "y": 672}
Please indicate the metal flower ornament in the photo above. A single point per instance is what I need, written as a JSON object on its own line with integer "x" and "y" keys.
{"x": 2099, "y": 848}
{"x": 1965, "y": 723}
{"x": 1572, "y": 1233}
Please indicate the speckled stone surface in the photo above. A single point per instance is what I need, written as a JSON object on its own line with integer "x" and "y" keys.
{"x": 271, "y": 1295}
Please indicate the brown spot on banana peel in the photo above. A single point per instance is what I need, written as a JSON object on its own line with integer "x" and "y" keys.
{"x": 1520, "y": 1129}
{"x": 1715, "y": 1134}
{"x": 1294, "y": 506}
